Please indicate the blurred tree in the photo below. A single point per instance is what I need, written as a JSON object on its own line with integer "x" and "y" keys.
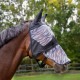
{"x": 63, "y": 16}
{"x": 11, "y": 11}
{"x": 68, "y": 29}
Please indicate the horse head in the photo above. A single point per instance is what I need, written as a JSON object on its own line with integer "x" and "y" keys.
{"x": 42, "y": 48}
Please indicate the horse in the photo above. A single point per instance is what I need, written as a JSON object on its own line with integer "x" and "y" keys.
{"x": 15, "y": 49}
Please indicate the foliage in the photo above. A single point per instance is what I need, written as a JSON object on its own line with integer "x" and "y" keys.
{"x": 63, "y": 16}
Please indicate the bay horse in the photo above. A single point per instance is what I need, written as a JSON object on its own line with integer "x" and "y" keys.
{"x": 12, "y": 53}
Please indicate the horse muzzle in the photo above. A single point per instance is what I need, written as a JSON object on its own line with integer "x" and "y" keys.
{"x": 58, "y": 68}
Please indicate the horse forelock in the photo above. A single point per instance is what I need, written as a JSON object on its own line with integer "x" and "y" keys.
{"x": 12, "y": 32}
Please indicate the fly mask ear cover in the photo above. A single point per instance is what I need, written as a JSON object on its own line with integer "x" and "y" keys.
{"x": 37, "y": 21}
{"x": 43, "y": 18}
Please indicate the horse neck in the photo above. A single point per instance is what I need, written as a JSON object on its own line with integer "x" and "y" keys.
{"x": 11, "y": 56}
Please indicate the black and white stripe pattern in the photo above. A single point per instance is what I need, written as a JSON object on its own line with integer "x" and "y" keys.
{"x": 10, "y": 33}
{"x": 43, "y": 41}
{"x": 58, "y": 55}
{"x": 42, "y": 34}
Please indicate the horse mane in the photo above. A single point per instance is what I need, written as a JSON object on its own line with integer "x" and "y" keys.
{"x": 10, "y": 33}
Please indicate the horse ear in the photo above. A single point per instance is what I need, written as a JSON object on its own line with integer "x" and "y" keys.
{"x": 39, "y": 16}
{"x": 43, "y": 18}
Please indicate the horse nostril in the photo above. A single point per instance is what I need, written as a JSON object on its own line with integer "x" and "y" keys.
{"x": 60, "y": 68}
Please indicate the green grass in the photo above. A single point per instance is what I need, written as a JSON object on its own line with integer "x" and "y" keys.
{"x": 49, "y": 77}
